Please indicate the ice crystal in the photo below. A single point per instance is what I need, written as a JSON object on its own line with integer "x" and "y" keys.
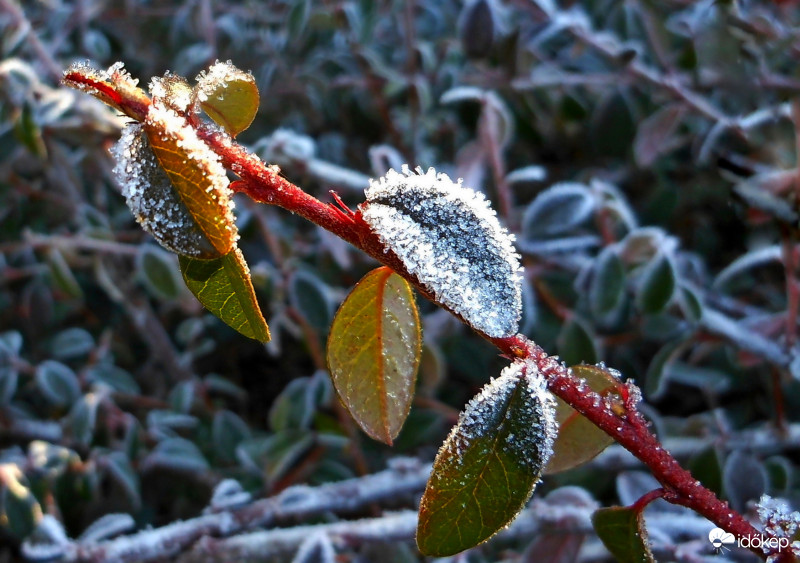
{"x": 779, "y": 520}
{"x": 214, "y": 81}
{"x": 174, "y": 90}
{"x": 451, "y": 240}
{"x": 488, "y": 412}
{"x": 149, "y": 193}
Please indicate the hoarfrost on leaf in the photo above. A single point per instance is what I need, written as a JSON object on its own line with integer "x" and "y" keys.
{"x": 451, "y": 240}
{"x": 152, "y": 199}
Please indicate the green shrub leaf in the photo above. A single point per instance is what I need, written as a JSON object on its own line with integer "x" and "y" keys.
{"x": 657, "y": 285}
{"x": 229, "y": 96}
{"x": 374, "y": 351}
{"x": 578, "y": 439}
{"x": 223, "y": 286}
{"x": 490, "y": 463}
{"x": 623, "y": 533}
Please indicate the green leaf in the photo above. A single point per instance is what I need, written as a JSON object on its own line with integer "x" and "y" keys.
{"x": 28, "y": 131}
{"x": 490, "y": 463}
{"x": 309, "y": 296}
{"x": 119, "y": 467}
{"x": 223, "y": 286}
{"x": 229, "y": 96}
{"x": 576, "y": 343}
{"x": 608, "y": 284}
{"x": 157, "y": 271}
{"x": 656, "y": 378}
{"x": 227, "y": 432}
{"x": 62, "y": 274}
{"x": 19, "y": 509}
{"x": 72, "y": 343}
{"x": 657, "y": 285}
{"x": 623, "y": 533}
{"x": 578, "y": 439}
{"x": 83, "y": 418}
{"x": 197, "y": 178}
{"x": 114, "y": 378}
{"x": 57, "y": 382}
{"x": 374, "y": 351}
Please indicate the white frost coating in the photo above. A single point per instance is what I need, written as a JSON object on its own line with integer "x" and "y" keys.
{"x": 451, "y": 240}
{"x": 215, "y": 80}
{"x": 173, "y": 90}
{"x": 779, "y": 521}
{"x": 149, "y": 193}
{"x": 533, "y": 442}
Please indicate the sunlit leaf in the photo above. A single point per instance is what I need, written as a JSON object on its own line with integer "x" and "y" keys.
{"x": 490, "y": 463}
{"x": 578, "y": 439}
{"x": 229, "y": 96}
{"x": 374, "y": 351}
{"x": 623, "y": 533}
{"x": 19, "y": 509}
{"x": 195, "y": 174}
{"x": 223, "y": 286}
{"x": 159, "y": 206}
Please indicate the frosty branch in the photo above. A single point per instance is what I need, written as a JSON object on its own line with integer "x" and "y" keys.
{"x": 431, "y": 232}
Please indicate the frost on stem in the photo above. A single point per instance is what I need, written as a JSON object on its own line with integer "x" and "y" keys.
{"x": 451, "y": 240}
{"x": 150, "y": 194}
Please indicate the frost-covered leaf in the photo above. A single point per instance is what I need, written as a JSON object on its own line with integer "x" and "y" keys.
{"x": 113, "y": 86}
{"x": 657, "y": 285}
{"x": 173, "y": 91}
{"x": 160, "y": 207}
{"x": 608, "y": 284}
{"x": 107, "y": 526}
{"x": 578, "y": 439}
{"x": 374, "y": 352}
{"x": 623, "y": 533}
{"x": 196, "y": 174}
{"x": 119, "y": 467}
{"x": 83, "y": 418}
{"x": 228, "y": 95}
{"x": 227, "y": 431}
{"x": 297, "y": 404}
{"x": 557, "y": 210}
{"x": 158, "y": 271}
{"x": 577, "y": 343}
{"x": 476, "y": 28}
{"x": 490, "y": 463}
{"x": 531, "y": 173}
{"x": 310, "y": 296}
{"x": 450, "y": 239}
{"x": 655, "y": 135}
{"x": 317, "y": 548}
{"x": 71, "y": 343}
{"x": 744, "y": 478}
{"x": 223, "y": 286}
{"x": 57, "y": 382}
{"x": 62, "y": 274}
{"x": 656, "y": 378}
{"x": 113, "y": 377}
{"x": 178, "y": 454}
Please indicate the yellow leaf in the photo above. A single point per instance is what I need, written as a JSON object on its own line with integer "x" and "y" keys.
{"x": 374, "y": 351}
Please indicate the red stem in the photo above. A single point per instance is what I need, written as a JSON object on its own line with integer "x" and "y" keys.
{"x": 623, "y": 423}
{"x": 265, "y": 184}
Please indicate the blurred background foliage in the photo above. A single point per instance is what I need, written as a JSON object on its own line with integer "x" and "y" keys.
{"x": 644, "y": 154}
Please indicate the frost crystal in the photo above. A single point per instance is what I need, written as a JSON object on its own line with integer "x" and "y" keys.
{"x": 173, "y": 90}
{"x": 451, "y": 240}
{"x": 779, "y": 521}
{"x": 212, "y": 82}
{"x": 489, "y": 412}
{"x": 151, "y": 196}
